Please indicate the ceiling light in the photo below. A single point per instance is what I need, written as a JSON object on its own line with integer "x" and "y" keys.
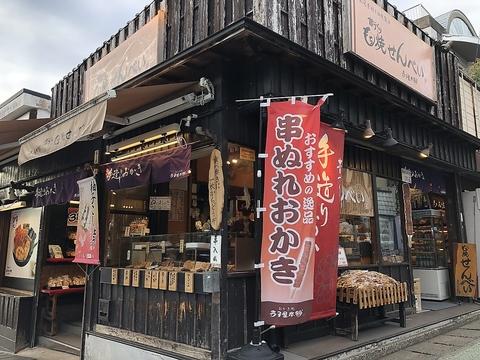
{"x": 368, "y": 132}
{"x": 389, "y": 141}
{"x": 425, "y": 153}
{"x": 234, "y": 161}
{"x": 137, "y": 153}
{"x": 339, "y": 121}
{"x": 150, "y": 136}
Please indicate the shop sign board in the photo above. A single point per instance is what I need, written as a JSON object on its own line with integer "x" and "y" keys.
{"x": 216, "y": 190}
{"x": 23, "y": 240}
{"x": 466, "y": 270}
{"x": 160, "y": 203}
{"x": 289, "y": 219}
{"x": 87, "y": 245}
{"x": 138, "y": 53}
{"x": 378, "y": 38}
{"x": 330, "y": 156}
{"x": 357, "y": 194}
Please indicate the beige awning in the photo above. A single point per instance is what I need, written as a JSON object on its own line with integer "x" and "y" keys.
{"x": 11, "y": 131}
{"x": 122, "y": 108}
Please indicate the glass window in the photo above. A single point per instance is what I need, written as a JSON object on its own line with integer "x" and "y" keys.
{"x": 241, "y": 214}
{"x": 389, "y": 221}
{"x": 458, "y": 27}
{"x": 357, "y": 217}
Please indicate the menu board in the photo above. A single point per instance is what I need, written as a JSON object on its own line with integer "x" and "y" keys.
{"x": 177, "y": 209}
{"x": 23, "y": 243}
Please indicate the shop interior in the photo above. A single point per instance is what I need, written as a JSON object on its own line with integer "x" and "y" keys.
{"x": 174, "y": 231}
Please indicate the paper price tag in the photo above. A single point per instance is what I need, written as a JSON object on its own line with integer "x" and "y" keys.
{"x": 136, "y": 278}
{"x": 172, "y": 280}
{"x": 182, "y": 246}
{"x": 127, "y": 277}
{"x": 114, "y": 280}
{"x": 163, "y": 280}
{"x": 189, "y": 282}
{"x": 147, "y": 281}
{"x": 155, "y": 276}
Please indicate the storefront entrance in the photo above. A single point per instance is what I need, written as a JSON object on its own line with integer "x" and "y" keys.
{"x": 61, "y": 281}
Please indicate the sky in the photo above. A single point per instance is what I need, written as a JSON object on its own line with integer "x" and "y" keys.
{"x": 43, "y": 40}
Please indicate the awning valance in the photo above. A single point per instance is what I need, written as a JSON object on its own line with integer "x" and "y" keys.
{"x": 155, "y": 168}
{"x": 59, "y": 190}
{"x": 118, "y": 107}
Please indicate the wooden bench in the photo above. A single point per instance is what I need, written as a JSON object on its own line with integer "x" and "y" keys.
{"x": 354, "y": 299}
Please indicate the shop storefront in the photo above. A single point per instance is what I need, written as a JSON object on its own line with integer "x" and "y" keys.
{"x": 179, "y": 186}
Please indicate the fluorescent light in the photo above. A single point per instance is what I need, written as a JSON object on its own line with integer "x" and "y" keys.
{"x": 74, "y": 202}
{"x": 147, "y": 137}
{"x": 134, "y": 154}
{"x": 13, "y": 206}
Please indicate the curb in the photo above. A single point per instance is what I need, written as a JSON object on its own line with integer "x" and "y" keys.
{"x": 383, "y": 347}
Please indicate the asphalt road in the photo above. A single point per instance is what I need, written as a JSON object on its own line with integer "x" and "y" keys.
{"x": 459, "y": 344}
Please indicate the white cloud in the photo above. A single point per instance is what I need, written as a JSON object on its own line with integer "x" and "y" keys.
{"x": 42, "y": 41}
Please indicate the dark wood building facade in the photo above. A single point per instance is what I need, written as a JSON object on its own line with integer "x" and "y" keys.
{"x": 252, "y": 48}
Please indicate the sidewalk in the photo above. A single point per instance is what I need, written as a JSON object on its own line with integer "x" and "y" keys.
{"x": 378, "y": 342}
{"x": 38, "y": 353}
{"x": 461, "y": 343}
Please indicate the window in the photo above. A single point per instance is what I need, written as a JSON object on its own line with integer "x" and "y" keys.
{"x": 357, "y": 217}
{"x": 458, "y": 27}
{"x": 389, "y": 221}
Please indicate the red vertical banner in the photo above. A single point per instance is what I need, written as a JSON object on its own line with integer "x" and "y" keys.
{"x": 289, "y": 221}
{"x": 330, "y": 157}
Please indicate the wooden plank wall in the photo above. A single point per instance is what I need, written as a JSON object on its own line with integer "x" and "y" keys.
{"x": 314, "y": 24}
{"x": 169, "y": 315}
{"x": 317, "y": 25}
{"x": 274, "y": 75}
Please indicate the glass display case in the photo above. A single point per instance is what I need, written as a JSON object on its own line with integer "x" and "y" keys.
{"x": 356, "y": 238}
{"x": 430, "y": 239}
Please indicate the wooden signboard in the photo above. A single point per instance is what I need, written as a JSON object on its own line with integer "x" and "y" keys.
{"x": 114, "y": 276}
{"x": 155, "y": 276}
{"x": 189, "y": 282}
{"x": 127, "y": 277}
{"x": 172, "y": 280}
{"x": 147, "y": 281}
{"x": 465, "y": 270}
{"x": 163, "y": 280}
{"x": 136, "y": 278}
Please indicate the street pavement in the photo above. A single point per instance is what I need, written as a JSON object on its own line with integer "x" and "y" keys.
{"x": 459, "y": 344}
{"x": 38, "y": 353}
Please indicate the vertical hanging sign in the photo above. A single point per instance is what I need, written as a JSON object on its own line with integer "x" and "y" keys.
{"x": 288, "y": 239}
{"x": 87, "y": 243}
{"x": 330, "y": 157}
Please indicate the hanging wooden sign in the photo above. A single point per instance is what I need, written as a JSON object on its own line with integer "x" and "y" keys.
{"x": 216, "y": 189}
{"x": 155, "y": 276}
{"x": 147, "y": 281}
{"x": 189, "y": 282}
{"x": 163, "y": 280}
{"x": 465, "y": 270}
{"x": 127, "y": 277}
{"x": 172, "y": 280}
{"x": 114, "y": 280}
{"x": 136, "y": 278}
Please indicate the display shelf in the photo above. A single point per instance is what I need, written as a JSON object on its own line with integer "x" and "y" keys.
{"x": 60, "y": 260}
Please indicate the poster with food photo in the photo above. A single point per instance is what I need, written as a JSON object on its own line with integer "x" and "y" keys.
{"x": 23, "y": 243}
